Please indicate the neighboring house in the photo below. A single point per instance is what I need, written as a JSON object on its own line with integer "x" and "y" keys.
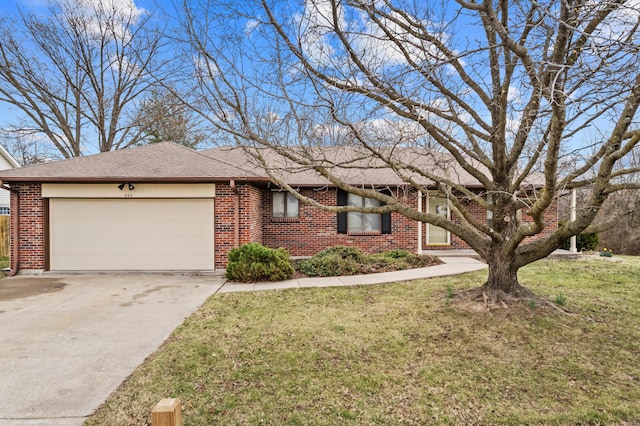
{"x": 167, "y": 207}
{"x": 6, "y": 162}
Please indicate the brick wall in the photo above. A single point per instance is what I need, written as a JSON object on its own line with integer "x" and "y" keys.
{"x": 251, "y": 214}
{"x": 318, "y": 229}
{"x": 550, "y": 220}
{"x": 31, "y": 229}
{"x": 314, "y": 231}
{"x": 249, "y": 199}
{"x": 224, "y": 238}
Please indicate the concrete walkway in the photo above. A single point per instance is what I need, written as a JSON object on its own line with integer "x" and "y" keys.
{"x": 65, "y": 348}
{"x": 451, "y": 266}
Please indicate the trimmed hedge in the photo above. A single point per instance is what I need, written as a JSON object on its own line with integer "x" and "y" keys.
{"x": 255, "y": 262}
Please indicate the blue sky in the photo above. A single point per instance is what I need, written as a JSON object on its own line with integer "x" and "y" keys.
{"x": 10, "y": 7}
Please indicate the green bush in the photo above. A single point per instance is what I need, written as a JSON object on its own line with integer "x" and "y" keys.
{"x": 333, "y": 262}
{"x": 255, "y": 262}
{"x": 343, "y": 260}
{"x": 584, "y": 242}
{"x": 397, "y": 254}
{"x": 345, "y": 252}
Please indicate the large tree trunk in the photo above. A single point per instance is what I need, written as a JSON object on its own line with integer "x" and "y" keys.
{"x": 503, "y": 279}
{"x": 502, "y": 284}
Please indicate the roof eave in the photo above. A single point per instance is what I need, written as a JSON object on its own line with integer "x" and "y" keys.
{"x": 135, "y": 179}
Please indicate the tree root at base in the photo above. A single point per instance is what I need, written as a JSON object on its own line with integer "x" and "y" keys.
{"x": 496, "y": 298}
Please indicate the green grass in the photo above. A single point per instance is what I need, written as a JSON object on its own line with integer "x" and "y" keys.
{"x": 399, "y": 354}
{"x": 4, "y": 263}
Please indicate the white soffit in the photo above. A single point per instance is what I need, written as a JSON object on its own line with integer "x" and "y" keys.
{"x": 139, "y": 190}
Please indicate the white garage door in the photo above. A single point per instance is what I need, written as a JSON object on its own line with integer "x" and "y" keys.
{"x": 131, "y": 234}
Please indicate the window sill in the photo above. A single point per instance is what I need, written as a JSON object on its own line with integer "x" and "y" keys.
{"x": 364, "y": 233}
{"x": 285, "y": 219}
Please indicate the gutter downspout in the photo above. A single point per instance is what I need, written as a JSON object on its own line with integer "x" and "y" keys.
{"x": 236, "y": 214}
{"x": 14, "y": 250}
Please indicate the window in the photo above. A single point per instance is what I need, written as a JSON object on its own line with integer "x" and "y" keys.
{"x": 4, "y": 211}
{"x": 363, "y": 222}
{"x": 358, "y": 222}
{"x": 435, "y": 234}
{"x": 285, "y": 205}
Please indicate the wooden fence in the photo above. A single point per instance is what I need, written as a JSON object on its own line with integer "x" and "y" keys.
{"x": 5, "y": 236}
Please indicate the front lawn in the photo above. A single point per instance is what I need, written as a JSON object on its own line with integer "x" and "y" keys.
{"x": 5, "y": 262}
{"x": 403, "y": 354}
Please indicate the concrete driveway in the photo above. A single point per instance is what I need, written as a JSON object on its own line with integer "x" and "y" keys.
{"x": 67, "y": 342}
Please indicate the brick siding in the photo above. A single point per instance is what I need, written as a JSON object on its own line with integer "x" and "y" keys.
{"x": 31, "y": 230}
{"x": 250, "y": 218}
{"x": 314, "y": 230}
{"x": 317, "y": 229}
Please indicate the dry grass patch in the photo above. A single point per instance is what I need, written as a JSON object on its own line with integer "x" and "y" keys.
{"x": 400, "y": 354}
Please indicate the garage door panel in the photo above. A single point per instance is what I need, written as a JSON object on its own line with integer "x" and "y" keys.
{"x": 131, "y": 234}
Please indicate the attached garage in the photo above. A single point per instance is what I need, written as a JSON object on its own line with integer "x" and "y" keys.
{"x": 159, "y": 229}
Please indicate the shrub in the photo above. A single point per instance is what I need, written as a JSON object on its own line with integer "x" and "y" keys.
{"x": 397, "y": 254}
{"x": 606, "y": 252}
{"x": 343, "y": 260}
{"x": 333, "y": 262}
{"x": 255, "y": 262}
{"x": 420, "y": 260}
{"x": 584, "y": 242}
{"x": 344, "y": 252}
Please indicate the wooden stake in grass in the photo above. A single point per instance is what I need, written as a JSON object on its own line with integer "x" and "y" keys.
{"x": 168, "y": 412}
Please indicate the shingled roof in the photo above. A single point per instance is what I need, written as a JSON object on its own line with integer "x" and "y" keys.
{"x": 169, "y": 162}
{"x": 159, "y": 162}
{"x": 354, "y": 165}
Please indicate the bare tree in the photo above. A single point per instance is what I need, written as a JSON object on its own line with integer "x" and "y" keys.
{"x": 76, "y": 73}
{"x": 512, "y": 92}
{"x": 163, "y": 117}
{"x": 24, "y": 148}
{"x": 624, "y": 236}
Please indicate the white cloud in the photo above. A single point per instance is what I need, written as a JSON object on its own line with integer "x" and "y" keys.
{"x": 316, "y": 24}
{"x": 370, "y": 42}
{"x": 377, "y": 132}
{"x": 251, "y": 25}
{"x": 513, "y": 94}
{"x": 103, "y": 18}
{"x": 119, "y": 7}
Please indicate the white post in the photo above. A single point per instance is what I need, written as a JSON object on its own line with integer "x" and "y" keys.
{"x": 573, "y": 248}
{"x": 420, "y": 224}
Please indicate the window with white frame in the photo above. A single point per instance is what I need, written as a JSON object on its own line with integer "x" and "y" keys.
{"x": 5, "y": 211}
{"x": 358, "y": 222}
{"x": 285, "y": 205}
